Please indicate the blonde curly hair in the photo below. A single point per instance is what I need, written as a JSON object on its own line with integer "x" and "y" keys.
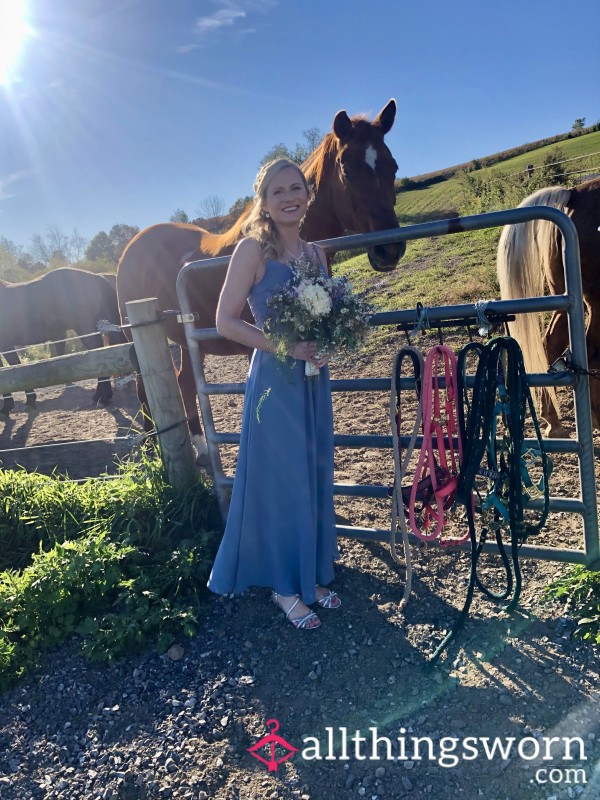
{"x": 257, "y": 225}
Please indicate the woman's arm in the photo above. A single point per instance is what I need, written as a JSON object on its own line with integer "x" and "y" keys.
{"x": 241, "y": 276}
{"x": 246, "y": 261}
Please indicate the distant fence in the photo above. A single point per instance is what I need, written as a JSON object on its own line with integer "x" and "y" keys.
{"x": 150, "y": 355}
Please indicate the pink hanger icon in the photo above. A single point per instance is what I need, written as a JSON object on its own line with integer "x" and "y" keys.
{"x": 272, "y": 740}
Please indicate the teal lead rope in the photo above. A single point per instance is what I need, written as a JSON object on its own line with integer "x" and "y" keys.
{"x": 501, "y": 390}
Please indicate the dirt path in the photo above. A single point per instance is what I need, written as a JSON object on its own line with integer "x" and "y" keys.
{"x": 154, "y": 727}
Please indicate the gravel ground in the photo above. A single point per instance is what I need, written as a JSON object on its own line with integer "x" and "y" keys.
{"x": 180, "y": 725}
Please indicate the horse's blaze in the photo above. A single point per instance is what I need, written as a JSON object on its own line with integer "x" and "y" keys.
{"x": 371, "y": 157}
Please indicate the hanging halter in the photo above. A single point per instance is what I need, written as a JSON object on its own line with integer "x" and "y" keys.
{"x": 439, "y": 433}
{"x": 501, "y": 390}
{"x": 400, "y": 495}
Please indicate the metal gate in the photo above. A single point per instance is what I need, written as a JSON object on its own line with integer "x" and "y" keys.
{"x": 571, "y": 302}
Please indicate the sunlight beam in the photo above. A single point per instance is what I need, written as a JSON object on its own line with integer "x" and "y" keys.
{"x": 13, "y": 32}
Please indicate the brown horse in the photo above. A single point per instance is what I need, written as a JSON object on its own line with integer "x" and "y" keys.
{"x": 530, "y": 252}
{"x": 351, "y": 174}
{"x": 44, "y": 308}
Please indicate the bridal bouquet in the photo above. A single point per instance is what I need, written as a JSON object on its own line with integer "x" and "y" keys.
{"x": 314, "y": 308}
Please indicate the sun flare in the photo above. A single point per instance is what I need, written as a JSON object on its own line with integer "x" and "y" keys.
{"x": 13, "y": 31}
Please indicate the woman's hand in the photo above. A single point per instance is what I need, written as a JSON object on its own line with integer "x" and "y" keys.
{"x": 307, "y": 351}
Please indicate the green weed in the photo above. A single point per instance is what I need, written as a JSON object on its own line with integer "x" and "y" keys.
{"x": 120, "y": 563}
{"x": 580, "y": 591}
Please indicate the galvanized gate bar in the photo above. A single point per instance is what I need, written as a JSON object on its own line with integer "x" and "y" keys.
{"x": 564, "y": 505}
{"x": 385, "y": 384}
{"x": 571, "y": 302}
{"x": 525, "y": 551}
{"x": 379, "y": 441}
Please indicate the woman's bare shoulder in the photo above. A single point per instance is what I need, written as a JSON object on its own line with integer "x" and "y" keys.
{"x": 247, "y": 255}
{"x": 248, "y": 247}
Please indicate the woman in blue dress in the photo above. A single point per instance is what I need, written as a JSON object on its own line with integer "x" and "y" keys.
{"x": 280, "y": 530}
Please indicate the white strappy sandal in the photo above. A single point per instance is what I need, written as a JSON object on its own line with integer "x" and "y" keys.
{"x": 308, "y": 622}
{"x": 329, "y": 600}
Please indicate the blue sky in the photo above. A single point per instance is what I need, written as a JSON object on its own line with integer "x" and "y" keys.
{"x": 121, "y": 111}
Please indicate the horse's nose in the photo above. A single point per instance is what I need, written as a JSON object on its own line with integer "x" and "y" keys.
{"x": 385, "y": 257}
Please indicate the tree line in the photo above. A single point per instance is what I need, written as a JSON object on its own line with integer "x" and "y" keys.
{"x": 56, "y": 248}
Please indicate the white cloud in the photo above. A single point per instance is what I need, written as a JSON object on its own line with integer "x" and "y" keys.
{"x": 223, "y": 18}
{"x": 5, "y": 182}
{"x": 186, "y": 48}
{"x": 230, "y": 12}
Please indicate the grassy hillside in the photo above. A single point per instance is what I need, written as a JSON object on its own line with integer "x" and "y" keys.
{"x": 446, "y": 196}
{"x": 459, "y": 267}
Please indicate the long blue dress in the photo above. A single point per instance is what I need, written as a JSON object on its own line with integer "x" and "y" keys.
{"x": 280, "y": 529}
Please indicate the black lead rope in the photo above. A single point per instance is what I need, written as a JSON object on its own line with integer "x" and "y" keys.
{"x": 491, "y": 472}
{"x": 401, "y": 495}
{"x": 501, "y": 389}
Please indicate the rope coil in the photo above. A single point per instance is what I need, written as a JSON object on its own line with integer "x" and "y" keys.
{"x": 501, "y": 391}
{"x": 401, "y": 467}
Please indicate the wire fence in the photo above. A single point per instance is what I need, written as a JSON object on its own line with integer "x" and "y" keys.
{"x": 132, "y": 438}
{"x": 49, "y": 343}
{"x": 528, "y": 170}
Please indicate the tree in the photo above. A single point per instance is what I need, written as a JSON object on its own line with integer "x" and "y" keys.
{"x": 313, "y": 138}
{"x": 10, "y": 268}
{"x": 110, "y": 245}
{"x": 40, "y": 249}
{"x": 238, "y": 207}
{"x": 99, "y": 247}
{"x": 179, "y": 215}
{"x": 277, "y": 151}
{"x": 120, "y": 236}
{"x": 552, "y": 169}
{"x": 578, "y": 125}
{"x": 56, "y": 248}
{"x": 300, "y": 152}
{"x": 211, "y": 207}
{"x": 77, "y": 246}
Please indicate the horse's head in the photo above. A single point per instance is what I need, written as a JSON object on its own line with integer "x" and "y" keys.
{"x": 363, "y": 191}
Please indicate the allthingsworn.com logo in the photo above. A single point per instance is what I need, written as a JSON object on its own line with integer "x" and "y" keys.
{"x": 447, "y": 751}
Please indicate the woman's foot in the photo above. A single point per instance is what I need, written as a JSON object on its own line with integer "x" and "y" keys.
{"x": 327, "y": 598}
{"x": 298, "y": 613}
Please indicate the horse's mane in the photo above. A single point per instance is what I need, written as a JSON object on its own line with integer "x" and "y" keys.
{"x": 313, "y": 168}
{"x": 213, "y": 244}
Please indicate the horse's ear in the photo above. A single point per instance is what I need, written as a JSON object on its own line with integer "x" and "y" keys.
{"x": 385, "y": 118}
{"x": 342, "y": 125}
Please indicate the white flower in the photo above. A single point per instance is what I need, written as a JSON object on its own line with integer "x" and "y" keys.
{"x": 314, "y": 298}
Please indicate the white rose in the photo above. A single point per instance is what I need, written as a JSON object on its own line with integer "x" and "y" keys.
{"x": 315, "y": 299}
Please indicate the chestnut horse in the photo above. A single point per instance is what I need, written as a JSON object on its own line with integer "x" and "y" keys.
{"x": 530, "y": 252}
{"x": 43, "y": 309}
{"x": 351, "y": 175}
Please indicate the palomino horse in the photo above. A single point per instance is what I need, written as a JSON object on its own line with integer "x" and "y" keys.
{"x": 351, "y": 174}
{"x": 530, "y": 252}
{"x": 43, "y": 309}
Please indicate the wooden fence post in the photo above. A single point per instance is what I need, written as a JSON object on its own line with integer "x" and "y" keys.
{"x": 162, "y": 389}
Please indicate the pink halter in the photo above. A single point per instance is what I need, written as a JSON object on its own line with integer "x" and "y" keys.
{"x": 439, "y": 427}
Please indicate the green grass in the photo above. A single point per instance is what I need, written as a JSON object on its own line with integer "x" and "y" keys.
{"x": 584, "y": 145}
{"x": 445, "y": 197}
{"x": 451, "y": 269}
{"x": 120, "y": 563}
